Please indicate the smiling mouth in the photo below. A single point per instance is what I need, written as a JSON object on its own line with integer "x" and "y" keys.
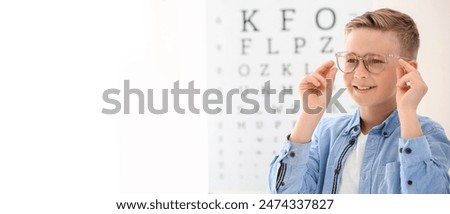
{"x": 363, "y": 88}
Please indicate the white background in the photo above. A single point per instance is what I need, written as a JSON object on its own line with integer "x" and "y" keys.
{"x": 58, "y": 151}
{"x": 60, "y": 154}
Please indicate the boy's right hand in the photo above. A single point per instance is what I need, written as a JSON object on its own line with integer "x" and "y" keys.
{"x": 316, "y": 88}
{"x": 315, "y": 92}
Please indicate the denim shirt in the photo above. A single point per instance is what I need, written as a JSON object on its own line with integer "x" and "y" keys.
{"x": 391, "y": 164}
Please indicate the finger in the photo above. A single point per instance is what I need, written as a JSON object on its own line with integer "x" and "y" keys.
{"x": 406, "y": 66}
{"x": 320, "y": 78}
{"x": 406, "y": 81}
{"x": 311, "y": 80}
{"x": 325, "y": 67}
{"x": 400, "y": 72}
{"x": 412, "y": 79}
{"x": 332, "y": 73}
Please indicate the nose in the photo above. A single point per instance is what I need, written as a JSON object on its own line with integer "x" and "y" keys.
{"x": 361, "y": 70}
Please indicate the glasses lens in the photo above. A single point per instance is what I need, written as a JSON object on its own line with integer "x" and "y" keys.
{"x": 347, "y": 62}
{"x": 375, "y": 63}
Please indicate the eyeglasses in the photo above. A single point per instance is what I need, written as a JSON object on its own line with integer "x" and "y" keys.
{"x": 374, "y": 63}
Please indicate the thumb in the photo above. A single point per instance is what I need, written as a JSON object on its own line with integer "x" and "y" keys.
{"x": 332, "y": 73}
{"x": 400, "y": 73}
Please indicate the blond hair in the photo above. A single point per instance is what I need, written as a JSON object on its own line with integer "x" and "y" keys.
{"x": 390, "y": 20}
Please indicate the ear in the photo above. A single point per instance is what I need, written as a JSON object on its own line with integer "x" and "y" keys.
{"x": 413, "y": 63}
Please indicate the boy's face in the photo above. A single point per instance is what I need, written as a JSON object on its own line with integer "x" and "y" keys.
{"x": 372, "y": 89}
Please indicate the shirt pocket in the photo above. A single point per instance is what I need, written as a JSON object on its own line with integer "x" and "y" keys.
{"x": 390, "y": 175}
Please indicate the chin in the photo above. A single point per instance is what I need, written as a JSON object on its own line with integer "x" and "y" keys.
{"x": 363, "y": 99}
{"x": 364, "y": 103}
{"x": 373, "y": 101}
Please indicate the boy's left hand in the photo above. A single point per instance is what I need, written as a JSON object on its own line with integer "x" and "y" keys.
{"x": 410, "y": 87}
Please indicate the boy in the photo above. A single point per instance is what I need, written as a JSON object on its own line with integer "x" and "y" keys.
{"x": 385, "y": 147}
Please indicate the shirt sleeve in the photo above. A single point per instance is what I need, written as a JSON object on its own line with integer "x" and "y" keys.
{"x": 424, "y": 163}
{"x": 292, "y": 170}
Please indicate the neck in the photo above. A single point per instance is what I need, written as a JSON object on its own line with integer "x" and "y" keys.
{"x": 372, "y": 116}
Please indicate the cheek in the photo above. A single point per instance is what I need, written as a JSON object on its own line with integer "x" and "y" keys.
{"x": 388, "y": 83}
{"x": 390, "y": 78}
{"x": 393, "y": 86}
{"x": 348, "y": 81}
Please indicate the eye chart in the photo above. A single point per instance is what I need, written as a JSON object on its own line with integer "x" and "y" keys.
{"x": 265, "y": 46}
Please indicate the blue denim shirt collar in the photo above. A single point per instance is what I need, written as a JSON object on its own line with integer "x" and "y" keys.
{"x": 386, "y": 128}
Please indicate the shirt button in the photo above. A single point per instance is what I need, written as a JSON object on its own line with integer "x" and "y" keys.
{"x": 292, "y": 154}
{"x": 282, "y": 183}
{"x": 410, "y": 182}
{"x": 385, "y": 134}
{"x": 407, "y": 150}
{"x": 401, "y": 150}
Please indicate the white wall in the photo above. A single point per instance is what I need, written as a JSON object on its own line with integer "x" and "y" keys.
{"x": 56, "y": 59}
{"x": 434, "y": 53}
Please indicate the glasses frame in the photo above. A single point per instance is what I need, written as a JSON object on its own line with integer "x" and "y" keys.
{"x": 365, "y": 63}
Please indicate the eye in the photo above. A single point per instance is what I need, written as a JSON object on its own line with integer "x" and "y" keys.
{"x": 351, "y": 60}
{"x": 376, "y": 61}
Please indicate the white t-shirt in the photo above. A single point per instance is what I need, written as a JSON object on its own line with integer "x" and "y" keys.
{"x": 352, "y": 167}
